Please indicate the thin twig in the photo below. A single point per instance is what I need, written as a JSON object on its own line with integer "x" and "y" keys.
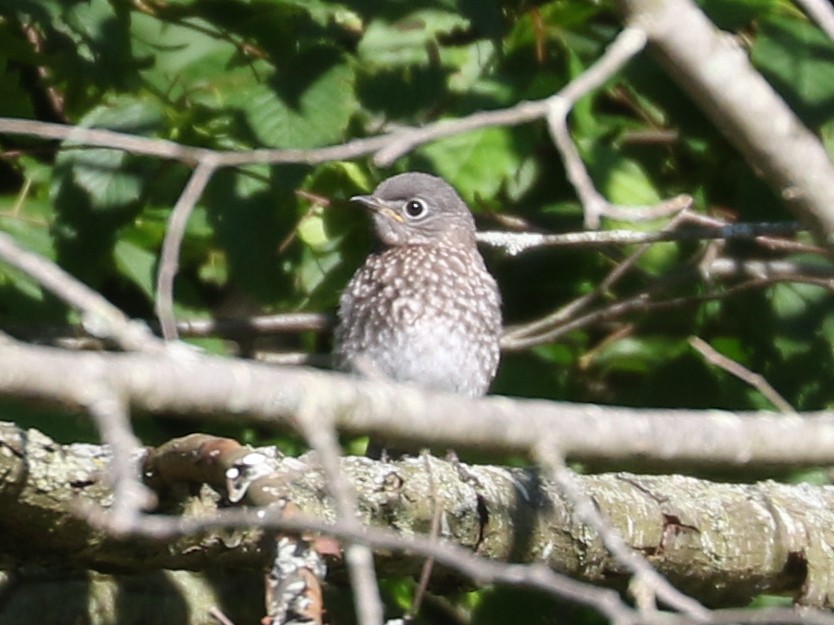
{"x": 168, "y": 149}
{"x": 744, "y": 374}
{"x": 549, "y": 457}
{"x": 517, "y": 242}
{"x": 221, "y": 618}
{"x": 321, "y": 435}
{"x": 517, "y": 338}
{"x": 130, "y": 496}
{"x": 434, "y": 531}
{"x": 626, "y": 46}
{"x": 406, "y": 139}
{"x": 295, "y": 359}
{"x": 75, "y": 337}
{"x": 258, "y": 324}
{"x": 563, "y": 314}
{"x": 771, "y": 269}
{"x": 169, "y": 262}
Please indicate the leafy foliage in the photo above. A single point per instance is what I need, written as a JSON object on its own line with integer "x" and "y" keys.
{"x": 228, "y": 74}
{"x": 238, "y": 75}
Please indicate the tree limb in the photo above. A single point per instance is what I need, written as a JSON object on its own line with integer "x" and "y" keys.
{"x": 721, "y": 543}
{"x": 192, "y": 384}
{"x": 714, "y": 70}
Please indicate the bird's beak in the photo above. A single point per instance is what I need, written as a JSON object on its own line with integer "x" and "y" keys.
{"x": 377, "y": 205}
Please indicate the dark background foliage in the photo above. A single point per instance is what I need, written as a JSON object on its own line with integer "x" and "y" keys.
{"x": 234, "y": 74}
{"x": 238, "y": 75}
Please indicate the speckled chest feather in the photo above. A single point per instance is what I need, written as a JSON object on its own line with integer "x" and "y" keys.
{"x": 426, "y": 314}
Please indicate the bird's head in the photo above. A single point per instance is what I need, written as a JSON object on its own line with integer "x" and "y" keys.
{"x": 419, "y": 209}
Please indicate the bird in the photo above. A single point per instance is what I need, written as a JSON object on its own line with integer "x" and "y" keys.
{"x": 424, "y": 309}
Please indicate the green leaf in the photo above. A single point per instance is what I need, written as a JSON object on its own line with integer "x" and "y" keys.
{"x": 400, "y": 92}
{"x": 308, "y": 107}
{"x": 315, "y": 269}
{"x": 312, "y": 231}
{"x": 639, "y": 354}
{"x": 792, "y": 300}
{"x": 477, "y": 163}
{"x": 111, "y": 179}
{"x": 798, "y": 59}
{"x": 215, "y": 270}
{"x": 137, "y": 264}
{"x": 26, "y": 226}
{"x": 620, "y": 179}
{"x": 404, "y": 41}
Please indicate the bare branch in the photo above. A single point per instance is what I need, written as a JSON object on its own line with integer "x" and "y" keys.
{"x": 404, "y": 140}
{"x": 192, "y": 384}
{"x": 627, "y": 44}
{"x": 517, "y": 242}
{"x": 102, "y": 138}
{"x": 100, "y": 317}
{"x": 171, "y": 245}
{"x": 742, "y": 373}
{"x": 131, "y": 497}
{"x": 319, "y": 431}
{"x": 822, "y": 13}
{"x": 684, "y": 525}
{"x": 718, "y": 76}
{"x": 175, "y": 151}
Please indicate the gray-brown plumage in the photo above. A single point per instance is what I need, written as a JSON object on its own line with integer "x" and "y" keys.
{"x": 424, "y": 310}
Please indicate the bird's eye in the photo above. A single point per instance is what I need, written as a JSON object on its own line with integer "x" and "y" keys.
{"x": 415, "y": 208}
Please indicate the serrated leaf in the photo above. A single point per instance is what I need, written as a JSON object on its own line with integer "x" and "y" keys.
{"x": 112, "y": 179}
{"x": 303, "y": 111}
{"x": 476, "y": 163}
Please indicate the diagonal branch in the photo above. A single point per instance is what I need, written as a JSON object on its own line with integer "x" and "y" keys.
{"x": 716, "y": 73}
{"x": 100, "y": 317}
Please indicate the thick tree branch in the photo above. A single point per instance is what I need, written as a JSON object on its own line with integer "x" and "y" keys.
{"x": 722, "y": 543}
{"x": 191, "y": 384}
{"x": 718, "y": 76}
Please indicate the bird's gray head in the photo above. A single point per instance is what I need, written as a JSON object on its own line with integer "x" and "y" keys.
{"x": 419, "y": 209}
